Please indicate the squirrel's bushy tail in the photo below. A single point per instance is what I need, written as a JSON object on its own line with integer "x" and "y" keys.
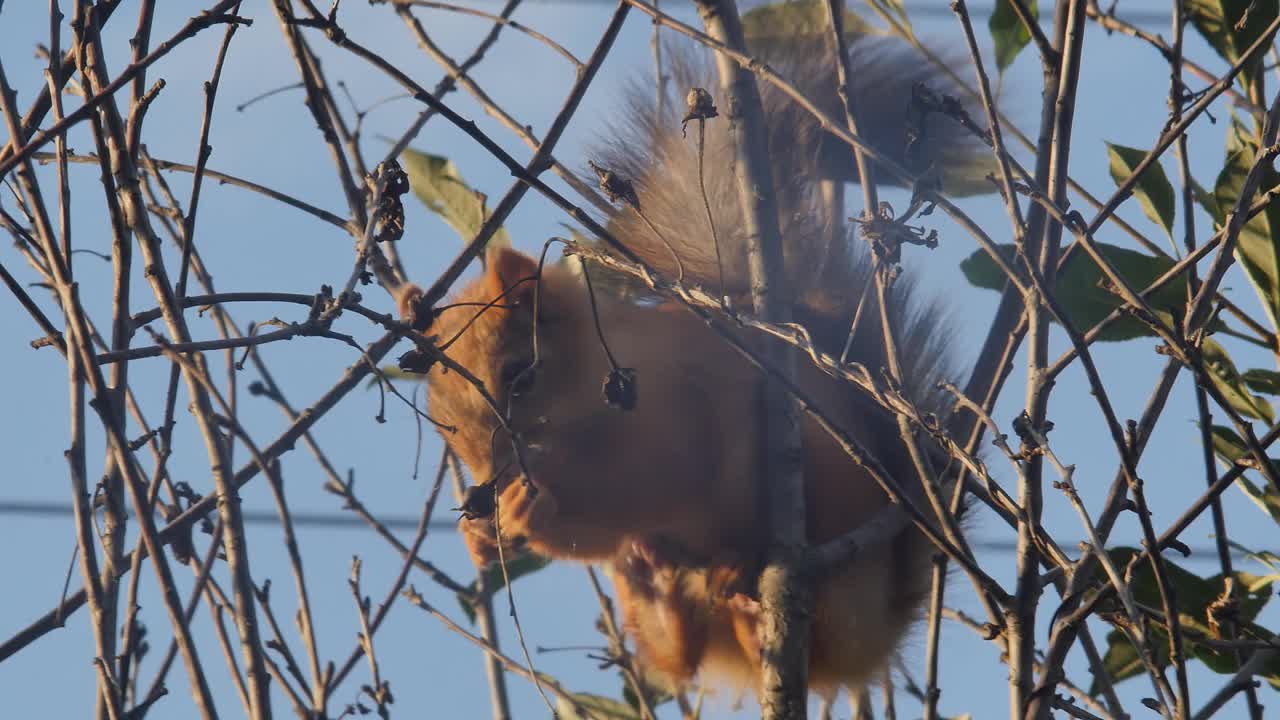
{"x": 826, "y": 266}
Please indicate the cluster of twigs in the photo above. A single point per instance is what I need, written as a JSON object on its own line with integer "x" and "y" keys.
{"x": 144, "y": 211}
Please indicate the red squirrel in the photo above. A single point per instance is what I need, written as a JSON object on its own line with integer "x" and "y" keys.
{"x": 668, "y": 492}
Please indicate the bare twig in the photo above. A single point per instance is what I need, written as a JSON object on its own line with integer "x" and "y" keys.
{"x": 786, "y": 592}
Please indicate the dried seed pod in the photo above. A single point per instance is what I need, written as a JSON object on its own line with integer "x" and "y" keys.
{"x": 416, "y": 361}
{"x": 390, "y": 208}
{"x": 182, "y": 547}
{"x": 699, "y": 106}
{"x": 478, "y": 502}
{"x": 616, "y": 187}
{"x": 620, "y": 388}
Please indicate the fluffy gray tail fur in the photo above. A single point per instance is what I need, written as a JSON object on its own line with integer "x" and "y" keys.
{"x": 826, "y": 269}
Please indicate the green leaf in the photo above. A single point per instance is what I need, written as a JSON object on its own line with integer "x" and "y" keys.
{"x": 1228, "y": 381}
{"x": 438, "y": 184}
{"x": 1271, "y": 672}
{"x": 1239, "y": 137}
{"x": 793, "y": 21}
{"x": 517, "y": 567}
{"x": 1217, "y": 21}
{"x": 1194, "y": 593}
{"x": 1153, "y": 190}
{"x": 1228, "y": 446}
{"x": 597, "y": 707}
{"x": 391, "y": 372}
{"x": 1257, "y": 247}
{"x": 1194, "y": 596}
{"x": 967, "y": 174}
{"x": 1256, "y": 583}
{"x": 1008, "y": 32}
{"x": 1269, "y": 559}
{"x": 895, "y": 8}
{"x": 1264, "y": 497}
{"x": 1120, "y": 662}
{"x": 1263, "y": 381}
{"x": 1079, "y": 287}
{"x": 1207, "y": 201}
{"x": 651, "y": 682}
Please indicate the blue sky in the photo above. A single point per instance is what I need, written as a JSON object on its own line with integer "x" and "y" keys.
{"x": 252, "y": 243}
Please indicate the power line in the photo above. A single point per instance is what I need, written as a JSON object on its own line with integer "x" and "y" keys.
{"x": 349, "y": 521}
{"x": 937, "y": 9}
{"x": 300, "y": 518}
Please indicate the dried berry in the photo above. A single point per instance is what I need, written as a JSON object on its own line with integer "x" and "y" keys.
{"x": 616, "y": 187}
{"x": 699, "y": 106}
{"x": 478, "y": 502}
{"x": 416, "y": 361}
{"x": 620, "y": 388}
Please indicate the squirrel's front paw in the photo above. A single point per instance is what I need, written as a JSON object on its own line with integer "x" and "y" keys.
{"x": 648, "y": 568}
{"x": 744, "y": 612}
{"x": 744, "y": 605}
{"x": 481, "y": 541}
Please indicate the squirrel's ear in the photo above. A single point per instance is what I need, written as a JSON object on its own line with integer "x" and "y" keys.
{"x": 512, "y": 272}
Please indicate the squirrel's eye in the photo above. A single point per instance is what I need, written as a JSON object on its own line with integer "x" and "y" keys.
{"x": 518, "y": 375}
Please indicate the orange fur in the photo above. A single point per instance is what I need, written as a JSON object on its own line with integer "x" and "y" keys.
{"x": 669, "y": 492}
